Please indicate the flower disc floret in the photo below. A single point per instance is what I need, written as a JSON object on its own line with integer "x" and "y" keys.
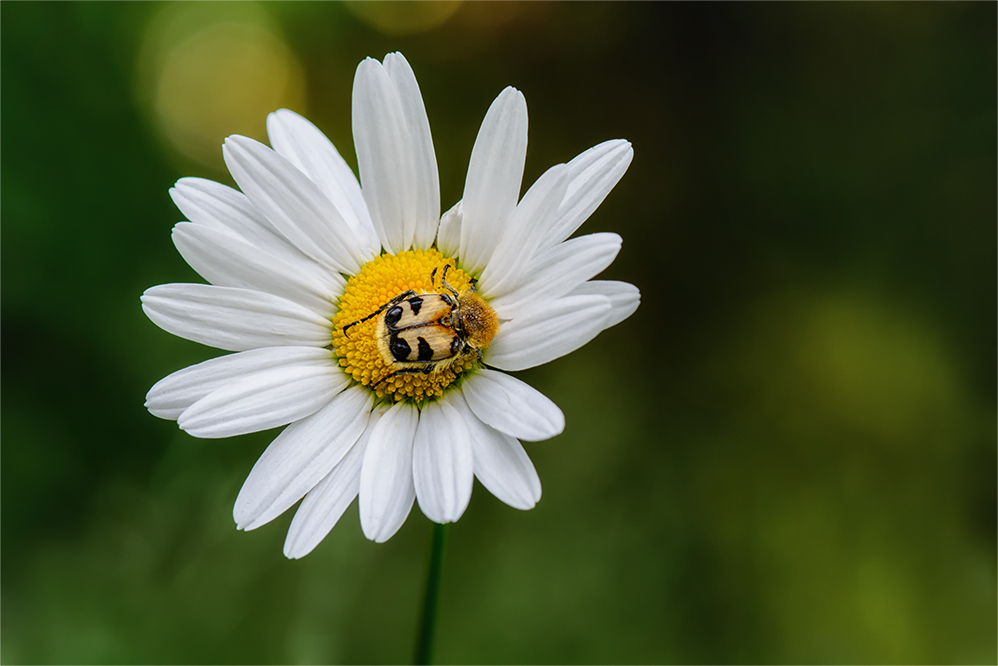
{"x": 378, "y": 282}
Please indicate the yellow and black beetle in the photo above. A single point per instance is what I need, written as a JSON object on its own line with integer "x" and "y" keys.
{"x": 426, "y": 333}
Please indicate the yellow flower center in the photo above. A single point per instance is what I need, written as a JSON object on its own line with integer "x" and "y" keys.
{"x": 361, "y": 338}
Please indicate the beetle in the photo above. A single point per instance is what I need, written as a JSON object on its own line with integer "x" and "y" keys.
{"x": 427, "y": 332}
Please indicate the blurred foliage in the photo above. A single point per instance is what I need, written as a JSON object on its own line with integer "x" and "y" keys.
{"x": 787, "y": 455}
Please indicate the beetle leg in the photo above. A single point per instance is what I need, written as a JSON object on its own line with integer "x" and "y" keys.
{"x": 406, "y": 371}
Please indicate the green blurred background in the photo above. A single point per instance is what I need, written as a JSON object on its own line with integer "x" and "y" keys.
{"x": 787, "y": 455}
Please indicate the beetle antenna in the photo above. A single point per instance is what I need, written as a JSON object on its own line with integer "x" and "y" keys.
{"x": 405, "y": 371}
{"x": 398, "y": 299}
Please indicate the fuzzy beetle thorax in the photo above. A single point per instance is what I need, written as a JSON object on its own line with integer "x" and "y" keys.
{"x": 479, "y": 319}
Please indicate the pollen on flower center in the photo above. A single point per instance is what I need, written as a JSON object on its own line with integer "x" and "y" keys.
{"x": 360, "y": 335}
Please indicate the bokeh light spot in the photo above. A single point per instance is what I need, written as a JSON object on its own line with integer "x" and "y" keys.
{"x": 208, "y": 72}
{"x": 403, "y": 18}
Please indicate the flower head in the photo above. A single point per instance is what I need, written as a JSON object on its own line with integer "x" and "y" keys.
{"x": 374, "y": 328}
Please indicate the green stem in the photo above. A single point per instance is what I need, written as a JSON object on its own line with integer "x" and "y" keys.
{"x": 427, "y": 624}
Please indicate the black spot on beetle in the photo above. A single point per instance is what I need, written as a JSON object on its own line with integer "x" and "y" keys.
{"x": 455, "y": 345}
{"x": 415, "y": 303}
{"x": 425, "y": 351}
{"x": 392, "y": 316}
{"x": 400, "y": 348}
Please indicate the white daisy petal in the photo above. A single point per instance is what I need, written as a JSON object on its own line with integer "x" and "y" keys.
{"x": 305, "y": 146}
{"x": 172, "y": 395}
{"x": 324, "y": 505}
{"x": 228, "y": 261}
{"x": 425, "y": 180}
{"x": 624, "y": 298}
{"x": 501, "y": 464}
{"x": 220, "y": 207}
{"x": 449, "y": 233}
{"x": 233, "y": 319}
{"x": 384, "y": 155}
{"x": 512, "y": 407}
{"x": 494, "y": 175}
{"x": 557, "y": 271}
{"x": 386, "y": 487}
{"x": 591, "y": 177}
{"x": 300, "y": 457}
{"x": 210, "y": 204}
{"x": 524, "y": 232}
{"x": 548, "y": 331}
{"x": 294, "y": 204}
{"x": 265, "y": 399}
{"x": 442, "y": 464}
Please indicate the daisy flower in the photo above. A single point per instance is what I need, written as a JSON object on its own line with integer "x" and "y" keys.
{"x": 376, "y": 329}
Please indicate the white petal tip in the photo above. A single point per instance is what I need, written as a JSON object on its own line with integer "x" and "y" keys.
{"x": 611, "y": 145}
{"x": 166, "y": 414}
{"x": 367, "y": 63}
{"x": 530, "y": 503}
{"x": 242, "y": 520}
{"x": 198, "y": 430}
{"x": 513, "y": 96}
{"x": 521, "y": 502}
{"x": 379, "y": 535}
{"x": 297, "y": 545}
{"x": 283, "y": 115}
{"x": 378, "y": 538}
{"x": 237, "y": 142}
{"x": 444, "y": 516}
{"x": 550, "y": 430}
{"x": 239, "y": 516}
